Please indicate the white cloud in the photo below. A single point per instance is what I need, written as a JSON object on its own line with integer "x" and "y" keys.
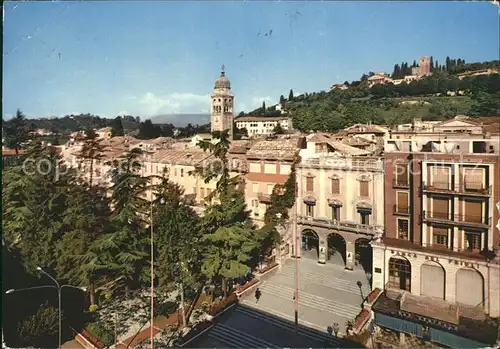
{"x": 151, "y": 105}
{"x": 257, "y": 101}
{"x": 123, "y": 113}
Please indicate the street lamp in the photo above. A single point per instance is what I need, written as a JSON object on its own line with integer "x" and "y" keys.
{"x": 58, "y": 287}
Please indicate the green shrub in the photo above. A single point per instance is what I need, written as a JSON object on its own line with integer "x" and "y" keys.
{"x": 101, "y": 333}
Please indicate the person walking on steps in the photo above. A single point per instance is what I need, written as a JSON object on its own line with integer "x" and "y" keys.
{"x": 257, "y": 295}
{"x": 336, "y": 329}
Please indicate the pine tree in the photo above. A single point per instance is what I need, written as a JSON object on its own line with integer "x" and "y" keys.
{"x": 16, "y": 131}
{"x": 290, "y": 95}
{"x": 117, "y": 127}
{"x": 282, "y": 100}
{"x": 90, "y": 154}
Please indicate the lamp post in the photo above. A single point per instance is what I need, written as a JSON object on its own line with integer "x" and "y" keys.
{"x": 58, "y": 287}
{"x": 278, "y": 249}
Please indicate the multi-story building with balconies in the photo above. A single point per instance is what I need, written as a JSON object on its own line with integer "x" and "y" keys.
{"x": 340, "y": 201}
{"x": 438, "y": 260}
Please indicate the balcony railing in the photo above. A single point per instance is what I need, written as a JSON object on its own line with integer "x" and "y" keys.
{"x": 400, "y": 183}
{"x": 463, "y": 189}
{"x": 458, "y": 219}
{"x": 338, "y": 225}
{"x": 400, "y": 210}
{"x": 343, "y": 164}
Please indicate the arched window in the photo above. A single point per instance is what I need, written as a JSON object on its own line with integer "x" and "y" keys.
{"x": 400, "y": 274}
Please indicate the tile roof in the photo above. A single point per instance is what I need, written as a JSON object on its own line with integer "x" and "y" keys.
{"x": 260, "y": 118}
{"x": 280, "y": 148}
{"x": 336, "y": 145}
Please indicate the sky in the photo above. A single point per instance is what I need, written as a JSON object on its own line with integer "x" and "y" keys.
{"x": 150, "y": 58}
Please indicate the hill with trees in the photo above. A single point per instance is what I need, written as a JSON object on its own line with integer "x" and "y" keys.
{"x": 439, "y": 96}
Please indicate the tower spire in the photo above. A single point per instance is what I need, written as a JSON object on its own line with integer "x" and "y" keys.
{"x": 222, "y": 72}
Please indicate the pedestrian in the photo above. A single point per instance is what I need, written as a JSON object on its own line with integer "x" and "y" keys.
{"x": 257, "y": 295}
{"x": 336, "y": 329}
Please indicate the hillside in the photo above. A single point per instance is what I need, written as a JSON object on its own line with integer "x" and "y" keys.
{"x": 439, "y": 96}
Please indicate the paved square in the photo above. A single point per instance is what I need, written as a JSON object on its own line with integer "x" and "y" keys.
{"x": 327, "y": 293}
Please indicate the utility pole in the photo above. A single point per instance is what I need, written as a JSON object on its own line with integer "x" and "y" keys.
{"x": 152, "y": 277}
{"x": 297, "y": 247}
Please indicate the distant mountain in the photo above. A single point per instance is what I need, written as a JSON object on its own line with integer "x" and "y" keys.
{"x": 181, "y": 120}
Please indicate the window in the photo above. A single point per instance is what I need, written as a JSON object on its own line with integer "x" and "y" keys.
{"x": 98, "y": 172}
{"x": 175, "y": 172}
{"x": 403, "y": 232}
{"x": 335, "y": 186}
{"x": 473, "y": 179}
{"x": 473, "y": 211}
{"x": 202, "y": 193}
{"x": 255, "y": 167}
{"x": 363, "y": 189}
{"x": 182, "y": 172}
{"x": 440, "y": 236}
{"x": 285, "y": 169}
{"x": 401, "y": 175}
{"x": 336, "y": 213}
{"x": 270, "y": 168}
{"x": 319, "y": 147}
{"x": 309, "y": 184}
{"x": 270, "y": 188}
{"x": 209, "y": 191}
{"x": 309, "y": 210}
{"x": 255, "y": 203}
{"x": 440, "y": 177}
{"x": 365, "y": 217}
{"x": 472, "y": 241}
{"x": 156, "y": 169}
{"x": 441, "y": 208}
{"x": 399, "y": 274}
{"x": 255, "y": 188}
{"x": 402, "y": 202}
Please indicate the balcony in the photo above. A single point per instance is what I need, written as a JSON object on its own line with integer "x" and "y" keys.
{"x": 398, "y": 210}
{"x": 400, "y": 183}
{"x": 339, "y": 225}
{"x": 457, "y": 219}
{"x": 439, "y": 187}
{"x": 368, "y": 165}
{"x": 462, "y": 189}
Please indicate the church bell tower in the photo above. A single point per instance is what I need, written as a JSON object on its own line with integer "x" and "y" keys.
{"x": 222, "y": 105}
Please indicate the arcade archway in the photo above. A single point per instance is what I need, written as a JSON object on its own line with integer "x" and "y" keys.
{"x": 363, "y": 254}
{"x": 336, "y": 249}
{"x": 310, "y": 244}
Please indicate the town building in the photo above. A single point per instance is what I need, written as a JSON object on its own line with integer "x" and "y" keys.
{"x": 340, "y": 202}
{"x": 269, "y": 163}
{"x": 222, "y": 105}
{"x": 263, "y": 125}
{"x": 438, "y": 261}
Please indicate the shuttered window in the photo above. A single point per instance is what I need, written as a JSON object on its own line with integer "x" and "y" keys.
{"x": 440, "y": 236}
{"x": 440, "y": 208}
{"x": 335, "y": 186}
{"x": 402, "y": 202}
{"x": 432, "y": 281}
{"x": 363, "y": 189}
{"x": 319, "y": 147}
{"x": 440, "y": 177}
{"x": 401, "y": 174}
{"x": 473, "y": 211}
{"x": 473, "y": 179}
{"x": 470, "y": 287}
{"x": 309, "y": 184}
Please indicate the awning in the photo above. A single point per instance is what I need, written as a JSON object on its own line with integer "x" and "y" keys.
{"x": 310, "y": 201}
{"x": 453, "y": 341}
{"x": 398, "y": 325}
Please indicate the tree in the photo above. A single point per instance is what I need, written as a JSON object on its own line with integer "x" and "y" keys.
{"x": 290, "y": 95}
{"x": 282, "y": 100}
{"x": 127, "y": 246}
{"x": 148, "y": 131}
{"x": 264, "y": 106}
{"x": 278, "y": 130}
{"x": 225, "y": 224}
{"x": 79, "y": 252}
{"x": 35, "y": 197}
{"x": 117, "y": 127}
{"x": 40, "y": 329}
{"x": 90, "y": 153}
{"x": 16, "y": 132}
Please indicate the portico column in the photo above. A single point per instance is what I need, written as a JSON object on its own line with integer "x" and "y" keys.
{"x": 349, "y": 255}
{"x": 323, "y": 247}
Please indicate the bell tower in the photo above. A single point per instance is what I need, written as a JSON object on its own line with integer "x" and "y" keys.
{"x": 222, "y": 105}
